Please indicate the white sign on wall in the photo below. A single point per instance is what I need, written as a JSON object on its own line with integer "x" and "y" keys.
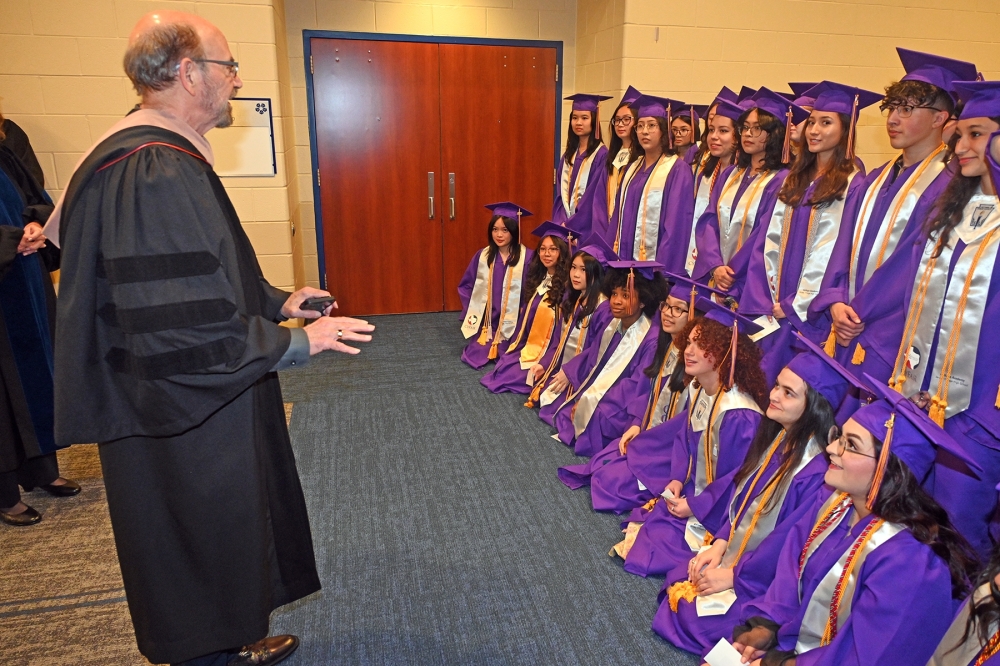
{"x": 247, "y": 147}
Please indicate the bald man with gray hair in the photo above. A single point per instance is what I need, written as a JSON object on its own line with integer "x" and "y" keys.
{"x": 168, "y": 343}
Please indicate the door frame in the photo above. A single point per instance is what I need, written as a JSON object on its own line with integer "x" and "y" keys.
{"x": 308, "y": 35}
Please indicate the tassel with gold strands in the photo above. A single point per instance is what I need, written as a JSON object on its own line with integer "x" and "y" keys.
{"x": 859, "y": 355}
{"x": 830, "y": 346}
{"x": 630, "y": 292}
{"x": 694, "y": 297}
{"x": 853, "y": 130}
{"x": 484, "y": 337}
{"x": 670, "y": 131}
{"x": 685, "y": 590}
{"x": 883, "y": 460}
{"x": 786, "y": 149}
{"x": 937, "y": 410}
{"x": 597, "y": 122}
{"x": 732, "y": 354}
{"x": 494, "y": 351}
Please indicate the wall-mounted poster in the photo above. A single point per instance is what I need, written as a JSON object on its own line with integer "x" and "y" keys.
{"x": 247, "y": 147}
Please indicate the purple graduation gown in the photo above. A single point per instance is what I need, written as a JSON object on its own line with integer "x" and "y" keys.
{"x": 755, "y": 569}
{"x": 660, "y": 545}
{"x": 582, "y": 220}
{"x": 508, "y": 376}
{"x": 676, "y": 213}
{"x": 891, "y": 623}
{"x": 756, "y": 300}
{"x": 475, "y": 354}
{"x": 691, "y": 154}
{"x": 707, "y": 229}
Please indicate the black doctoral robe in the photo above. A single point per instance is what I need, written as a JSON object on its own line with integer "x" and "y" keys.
{"x": 166, "y": 340}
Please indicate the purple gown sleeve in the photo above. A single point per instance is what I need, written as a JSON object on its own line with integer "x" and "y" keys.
{"x": 600, "y": 216}
{"x": 676, "y": 214}
{"x": 834, "y": 288}
{"x": 892, "y": 624}
{"x": 468, "y": 281}
{"x": 680, "y": 454}
{"x": 751, "y": 279}
{"x": 639, "y": 400}
{"x": 706, "y": 232}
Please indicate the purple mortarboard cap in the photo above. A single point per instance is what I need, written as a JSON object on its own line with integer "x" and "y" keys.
{"x": 778, "y": 106}
{"x": 684, "y": 288}
{"x": 552, "y": 229}
{"x": 644, "y": 268}
{"x": 598, "y": 248}
{"x": 746, "y": 92}
{"x": 652, "y": 107}
{"x": 701, "y": 109}
{"x": 727, "y": 95}
{"x": 728, "y": 109}
{"x": 725, "y": 316}
{"x": 839, "y": 98}
{"x": 981, "y": 98}
{"x": 823, "y": 373}
{"x": 508, "y": 209}
{"x": 913, "y": 435}
{"x": 936, "y": 70}
{"x": 586, "y": 102}
{"x": 631, "y": 94}
{"x": 799, "y": 88}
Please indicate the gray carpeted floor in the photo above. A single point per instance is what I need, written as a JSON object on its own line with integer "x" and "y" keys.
{"x": 442, "y": 534}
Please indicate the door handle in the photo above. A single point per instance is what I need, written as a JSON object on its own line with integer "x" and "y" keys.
{"x": 451, "y": 193}
{"x": 430, "y": 195}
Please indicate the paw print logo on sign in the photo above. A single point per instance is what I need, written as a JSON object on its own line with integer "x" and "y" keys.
{"x": 261, "y": 108}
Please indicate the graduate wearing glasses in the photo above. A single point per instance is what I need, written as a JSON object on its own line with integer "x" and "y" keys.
{"x": 622, "y": 151}
{"x": 582, "y": 166}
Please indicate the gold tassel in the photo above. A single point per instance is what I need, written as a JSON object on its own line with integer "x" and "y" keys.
{"x": 997, "y": 402}
{"x": 786, "y": 149}
{"x": 830, "y": 346}
{"x": 670, "y": 131}
{"x": 883, "y": 460}
{"x": 859, "y": 355}
{"x": 493, "y": 348}
{"x": 685, "y": 590}
{"x": 630, "y": 292}
{"x": 484, "y": 336}
{"x": 694, "y": 296}
{"x": 708, "y": 539}
{"x": 937, "y": 410}
{"x": 648, "y": 506}
{"x": 536, "y": 393}
{"x": 732, "y": 360}
{"x": 851, "y": 133}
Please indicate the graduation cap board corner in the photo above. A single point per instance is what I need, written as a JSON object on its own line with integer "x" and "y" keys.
{"x": 246, "y": 148}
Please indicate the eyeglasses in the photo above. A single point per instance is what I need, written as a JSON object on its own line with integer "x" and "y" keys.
{"x": 624, "y": 120}
{"x": 647, "y": 127}
{"x": 234, "y": 67}
{"x": 835, "y": 437}
{"x": 673, "y": 310}
{"x": 680, "y": 131}
{"x": 903, "y": 110}
{"x": 752, "y": 131}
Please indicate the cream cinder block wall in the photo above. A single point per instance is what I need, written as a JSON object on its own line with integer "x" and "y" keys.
{"x": 61, "y": 79}
{"x": 504, "y": 19}
{"x": 689, "y": 50}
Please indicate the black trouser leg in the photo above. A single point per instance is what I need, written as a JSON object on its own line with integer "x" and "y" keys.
{"x": 213, "y": 659}
{"x": 10, "y": 494}
{"x": 39, "y": 471}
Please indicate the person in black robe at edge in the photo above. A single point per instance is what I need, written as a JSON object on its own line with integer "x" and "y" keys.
{"x": 27, "y": 322}
{"x": 166, "y": 350}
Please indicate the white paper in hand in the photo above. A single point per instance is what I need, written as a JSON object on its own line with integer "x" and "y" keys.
{"x": 723, "y": 654}
{"x": 768, "y": 325}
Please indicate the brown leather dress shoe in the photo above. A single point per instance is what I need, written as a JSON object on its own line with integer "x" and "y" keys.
{"x": 27, "y": 517}
{"x": 269, "y": 651}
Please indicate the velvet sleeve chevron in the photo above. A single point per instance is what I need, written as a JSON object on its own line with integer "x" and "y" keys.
{"x": 164, "y": 315}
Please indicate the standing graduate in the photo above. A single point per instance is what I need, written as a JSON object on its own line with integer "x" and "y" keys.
{"x": 790, "y": 255}
{"x": 638, "y": 459}
{"x": 897, "y": 196}
{"x": 622, "y": 151}
{"x": 748, "y": 191}
{"x": 927, "y": 331}
{"x": 686, "y": 128}
{"x": 869, "y": 574}
{"x": 582, "y": 166}
{"x": 492, "y": 284}
{"x": 803, "y": 99}
{"x": 783, "y": 471}
{"x": 166, "y": 350}
{"x": 726, "y": 399}
{"x": 601, "y": 378}
{"x": 721, "y": 144}
{"x": 652, "y": 215}
{"x": 541, "y": 322}
{"x": 585, "y": 312}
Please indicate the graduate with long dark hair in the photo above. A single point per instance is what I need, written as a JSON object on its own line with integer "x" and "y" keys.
{"x": 790, "y": 255}
{"x": 581, "y": 168}
{"x": 540, "y": 325}
{"x": 869, "y": 573}
{"x": 652, "y": 216}
{"x": 686, "y": 128}
{"x": 490, "y": 289}
{"x": 623, "y": 149}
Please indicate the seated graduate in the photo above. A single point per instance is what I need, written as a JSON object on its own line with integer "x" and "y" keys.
{"x": 897, "y": 196}
{"x": 717, "y": 152}
{"x": 789, "y": 256}
{"x": 541, "y": 315}
{"x": 582, "y": 167}
{"x": 651, "y": 219}
{"x": 726, "y": 398}
{"x": 600, "y": 379}
{"x": 622, "y": 150}
{"x": 867, "y": 575}
{"x": 491, "y": 287}
{"x": 584, "y": 310}
{"x": 747, "y": 193}
{"x": 686, "y": 127}
{"x": 702, "y": 599}
{"x": 974, "y": 636}
{"x": 644, "y": 450}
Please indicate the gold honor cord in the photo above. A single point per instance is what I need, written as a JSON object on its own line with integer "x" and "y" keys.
{"x": 830, "y": 632}
{"x": 642, "y": 215}
{"x": 766, "y": 495}
{"x": 654, "y": 396}
{"x": 622, "y": 192}
{"x": 536, "y": 391}
{"x": 709, "y": 466}
{"x": 991, "y": 648}
{"x": 785, "y": 227}
{"x": 746, "y": 211}
{"x": 729, "y": 183}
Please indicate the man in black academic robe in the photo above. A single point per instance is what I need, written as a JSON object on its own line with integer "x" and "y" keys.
{"x": 167, "y": 344}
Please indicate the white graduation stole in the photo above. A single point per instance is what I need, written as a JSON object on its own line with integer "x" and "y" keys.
{"x": 953, "y": 650}
{"x": 571, "y": 199}
{"x": 481, "y": 295}
{"x": 701, "y": 199}
{"x": 647, "y": 218}
{"x": 943, "y": 297}
{"x": 898, "y": 214}
{"x": 736, "y": 221}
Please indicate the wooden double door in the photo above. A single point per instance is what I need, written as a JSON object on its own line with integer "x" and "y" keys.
{"x": 413, "y": 139}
